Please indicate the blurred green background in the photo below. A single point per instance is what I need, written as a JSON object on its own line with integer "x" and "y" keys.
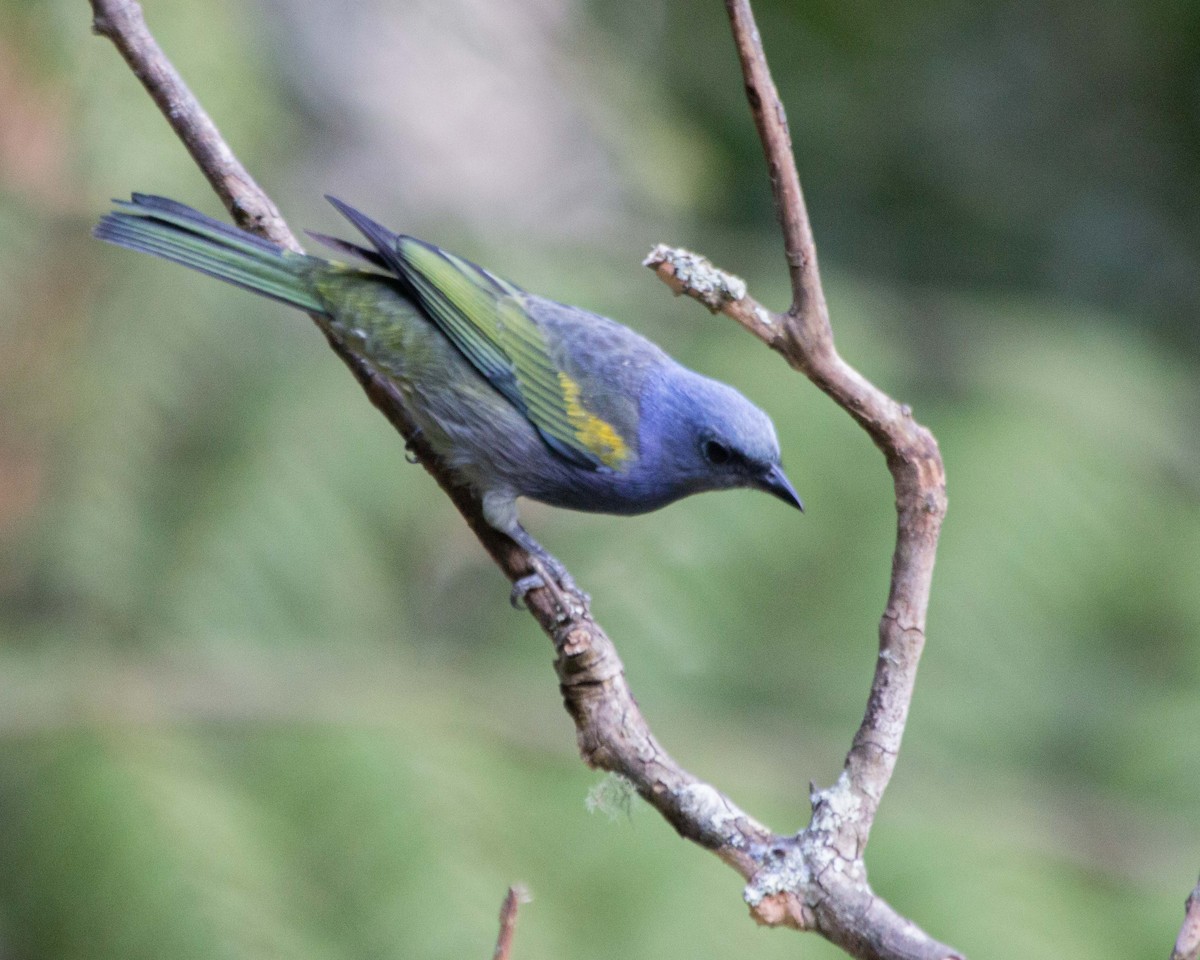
{"x": 261, "y": 694}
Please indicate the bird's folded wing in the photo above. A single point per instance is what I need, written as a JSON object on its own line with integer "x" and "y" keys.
{"x": 486, "y": 318}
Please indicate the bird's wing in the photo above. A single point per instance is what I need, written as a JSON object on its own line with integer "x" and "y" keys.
{"x": 487, "y": 320}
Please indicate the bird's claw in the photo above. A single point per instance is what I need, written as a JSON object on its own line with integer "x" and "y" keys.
{"x": 521, "y": 588}
{"x": 547, "y": 574}
{"x": 571, "y": 601}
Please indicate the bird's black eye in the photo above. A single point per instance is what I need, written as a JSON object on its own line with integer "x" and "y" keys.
{"x": 716, "y": 452}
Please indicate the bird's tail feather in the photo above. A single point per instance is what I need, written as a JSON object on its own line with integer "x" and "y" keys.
{"x": 176, "y": 232}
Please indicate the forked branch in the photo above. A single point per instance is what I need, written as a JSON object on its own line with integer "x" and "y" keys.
{"x": 814, "y": 880}
{"x": 804, "y": 337}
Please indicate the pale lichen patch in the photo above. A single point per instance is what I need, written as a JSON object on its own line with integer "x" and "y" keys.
{"x": 834, "y": 806}
{"x": 788, "y": 873}
{"x": 717, "y": 814}
{"x": 612, "y": 796}
{"x": 696, "y": 276}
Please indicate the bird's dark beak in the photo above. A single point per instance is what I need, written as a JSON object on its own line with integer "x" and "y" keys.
{"x": 775, "y": 482}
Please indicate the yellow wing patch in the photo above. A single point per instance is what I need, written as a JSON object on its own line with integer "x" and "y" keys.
{"x": 599, "y": 436}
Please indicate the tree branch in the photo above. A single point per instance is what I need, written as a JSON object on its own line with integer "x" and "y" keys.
{"x": 804, "y": 337}
{"x": 508, "y": 921}
{"x": 816, "y": 879}
{"x": 122, "y": 22}
{"x": 806, "y": 341}
{"x": 843, "y": 814}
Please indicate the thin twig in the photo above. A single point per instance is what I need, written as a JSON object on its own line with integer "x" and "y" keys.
{"x": 508, "y": 921}
{"x": 121, "y": 22}
{"x": 1187, "y": 944}
{"x": 808, "y": 299}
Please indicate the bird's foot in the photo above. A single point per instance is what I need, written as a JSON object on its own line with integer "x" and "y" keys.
{"x": 571, "y": 601}
{"x": 547, "y": 574}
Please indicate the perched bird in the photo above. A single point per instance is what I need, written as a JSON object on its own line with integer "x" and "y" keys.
{"x": 518, "y": 395}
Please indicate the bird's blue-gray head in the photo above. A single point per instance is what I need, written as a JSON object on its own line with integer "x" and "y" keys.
{"x": 699, "y": 434}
